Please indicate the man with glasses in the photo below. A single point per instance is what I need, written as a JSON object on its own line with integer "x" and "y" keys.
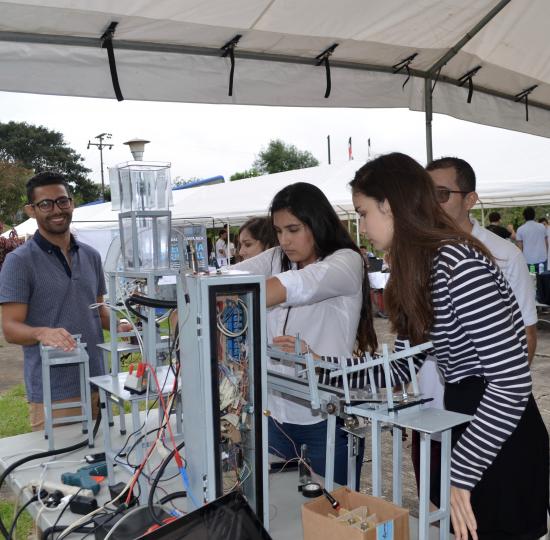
{"x": 455, "y": 186}
{"x": 46, "y": 288}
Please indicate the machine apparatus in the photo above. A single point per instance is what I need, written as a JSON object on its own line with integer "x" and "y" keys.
{"x": 207, "y": 367}
{"x": 223, "y": 381}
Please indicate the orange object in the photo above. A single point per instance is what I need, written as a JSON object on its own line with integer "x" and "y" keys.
{"x": 98, "y": 479}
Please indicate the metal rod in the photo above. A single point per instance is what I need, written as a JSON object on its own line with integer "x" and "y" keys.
{"x": 453, "y": 51}
{"x": 328, "y": 148}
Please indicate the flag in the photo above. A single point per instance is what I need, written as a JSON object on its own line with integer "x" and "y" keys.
{"x": 350, "y": 150}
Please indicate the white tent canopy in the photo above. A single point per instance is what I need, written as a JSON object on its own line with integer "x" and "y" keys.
{"x": 235, "y": 202}
{"x": 171, "y": 51}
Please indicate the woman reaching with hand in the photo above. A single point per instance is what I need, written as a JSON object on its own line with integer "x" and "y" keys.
{"x": 317, "y": 287}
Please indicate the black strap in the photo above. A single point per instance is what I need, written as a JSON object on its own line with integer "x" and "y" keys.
{"x": 468, "y": 78}
{"x": 286, "y": 320}
{"x": 435, "y": 80}
{"x": 524, "y": 96}
{"x": 404, "y": 65}
{"x": 107, "y": 43}
{"x": 229, "y": 49}
{"x": 323, "y": 59}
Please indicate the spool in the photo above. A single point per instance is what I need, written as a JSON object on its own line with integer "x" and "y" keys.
{"x": 312, "y": 490}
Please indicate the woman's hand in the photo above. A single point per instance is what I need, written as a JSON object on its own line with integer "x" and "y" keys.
{"x": 462, "y": 514}
{"x": 288, "y": 344}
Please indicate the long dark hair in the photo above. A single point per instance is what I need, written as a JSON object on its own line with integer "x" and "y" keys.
{"x": 420, "y": 227}
{"x": 310, "y": 205}
{"x": 261, "y": 229}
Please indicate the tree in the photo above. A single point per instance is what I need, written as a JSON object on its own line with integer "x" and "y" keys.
{"x": 12, "y": 186}
{"x": 244, "y": 174}
{"x": 40, "y": 149}
{"x": 279, "y": 157}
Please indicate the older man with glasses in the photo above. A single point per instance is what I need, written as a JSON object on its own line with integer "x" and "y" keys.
{"x": 46, "y": 288}
{"x": 455, "y": 187}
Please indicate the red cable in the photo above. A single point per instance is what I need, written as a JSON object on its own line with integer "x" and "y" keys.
{"x": 152, "y": 447}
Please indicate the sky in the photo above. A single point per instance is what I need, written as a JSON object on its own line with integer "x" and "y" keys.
{"x": 207, "y": 140}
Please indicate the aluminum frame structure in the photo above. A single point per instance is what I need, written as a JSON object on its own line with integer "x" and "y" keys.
{"x": 200, "y": 386}
{"x": 377, "y": 407}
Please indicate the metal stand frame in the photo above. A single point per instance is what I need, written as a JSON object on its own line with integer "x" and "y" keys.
{"x": 405, "y": 411}
{"x": 54, "y": 357}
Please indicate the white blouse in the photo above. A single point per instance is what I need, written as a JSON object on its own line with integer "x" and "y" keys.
{"x": 323, "y": 306}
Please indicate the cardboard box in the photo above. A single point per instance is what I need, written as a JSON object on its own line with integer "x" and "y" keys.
{"x": 319, "y": 525}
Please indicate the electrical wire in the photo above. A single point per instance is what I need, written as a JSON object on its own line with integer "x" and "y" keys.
{"x": 156, "y": 480}
{"x": 224, "y": 330}
{"x": 41, "y": 455}
{"x": 18, "y": 515}
{"x": 124, "y": 518}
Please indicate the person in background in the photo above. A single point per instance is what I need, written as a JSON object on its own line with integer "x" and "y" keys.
{"x": 255, "y": 236}
{"x": 455, "y": 187}
{"x": 231, "y": 252}
{"x": 221, "y": 248}
{"x": 532, "y": 240}
{"x": 496, "y": 228}
{"x": 544, "y": 221}
{"x": 46, "y": 288}
{"x": 317, "y": 286}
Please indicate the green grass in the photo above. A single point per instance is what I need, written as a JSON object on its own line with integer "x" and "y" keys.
{"x": 24, "y": 523}
{"x": 14, "y": 420}
{"x": 14, "y": 412}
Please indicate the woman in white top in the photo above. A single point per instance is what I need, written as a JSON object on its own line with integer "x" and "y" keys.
{"x": 317, "y": 288}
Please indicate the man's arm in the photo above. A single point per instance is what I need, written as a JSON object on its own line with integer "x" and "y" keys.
{"x": 17, "y": 331}
{"x": 519, "y": 243}
{"x": 531, "y": 334}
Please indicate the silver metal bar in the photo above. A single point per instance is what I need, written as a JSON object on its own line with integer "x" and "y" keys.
{"x": 424, "y": 495}
{"x": 329, "y": 459}
{"x": 376, "y": 444}
{"x": 445, "y": 493}
{"x": 397, "y": 481}
{"x": 352, "y": 461}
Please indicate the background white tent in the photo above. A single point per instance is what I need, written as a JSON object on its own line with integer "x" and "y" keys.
{"x": 172, "y": 51}
{"x": 235, "y": 202}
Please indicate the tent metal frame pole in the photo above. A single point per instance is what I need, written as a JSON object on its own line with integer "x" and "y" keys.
{"x": 428, "y": 111}
{"x": 451, "y": 53}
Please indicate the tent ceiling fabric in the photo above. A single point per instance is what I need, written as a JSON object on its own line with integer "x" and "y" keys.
{"x": 275, "y": 58}
{"x": 235, "y": 202}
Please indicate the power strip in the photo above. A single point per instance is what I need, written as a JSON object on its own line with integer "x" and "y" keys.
{"x": 50, "y": 487}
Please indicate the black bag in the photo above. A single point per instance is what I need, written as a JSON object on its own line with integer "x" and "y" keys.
{"x": 543, "y": 288}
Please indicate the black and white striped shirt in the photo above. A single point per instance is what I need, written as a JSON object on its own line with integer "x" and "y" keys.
{"x": 477, "y": 331}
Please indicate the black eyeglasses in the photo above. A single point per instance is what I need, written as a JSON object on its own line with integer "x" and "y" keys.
{"x": 442, "y": 194}
{"x": 46, "y": 205}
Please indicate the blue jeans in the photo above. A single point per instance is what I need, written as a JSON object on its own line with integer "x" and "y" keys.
{"x": 315, "y": 437}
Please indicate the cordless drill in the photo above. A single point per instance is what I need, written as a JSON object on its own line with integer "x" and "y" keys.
{"x": 83, "y": 477}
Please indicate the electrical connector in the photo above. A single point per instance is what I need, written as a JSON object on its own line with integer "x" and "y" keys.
{"x": 136, "y": 383}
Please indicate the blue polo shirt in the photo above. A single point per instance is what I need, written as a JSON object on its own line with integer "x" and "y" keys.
{"x": 57, "y": 296}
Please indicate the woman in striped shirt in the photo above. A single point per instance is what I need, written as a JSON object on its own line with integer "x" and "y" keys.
{"x": 445, "y": 287}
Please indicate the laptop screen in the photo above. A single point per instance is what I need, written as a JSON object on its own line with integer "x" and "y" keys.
{"x": 227, "y": 518}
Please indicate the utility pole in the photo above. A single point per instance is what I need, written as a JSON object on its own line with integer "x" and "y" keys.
{"x": 101, "y": 145}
